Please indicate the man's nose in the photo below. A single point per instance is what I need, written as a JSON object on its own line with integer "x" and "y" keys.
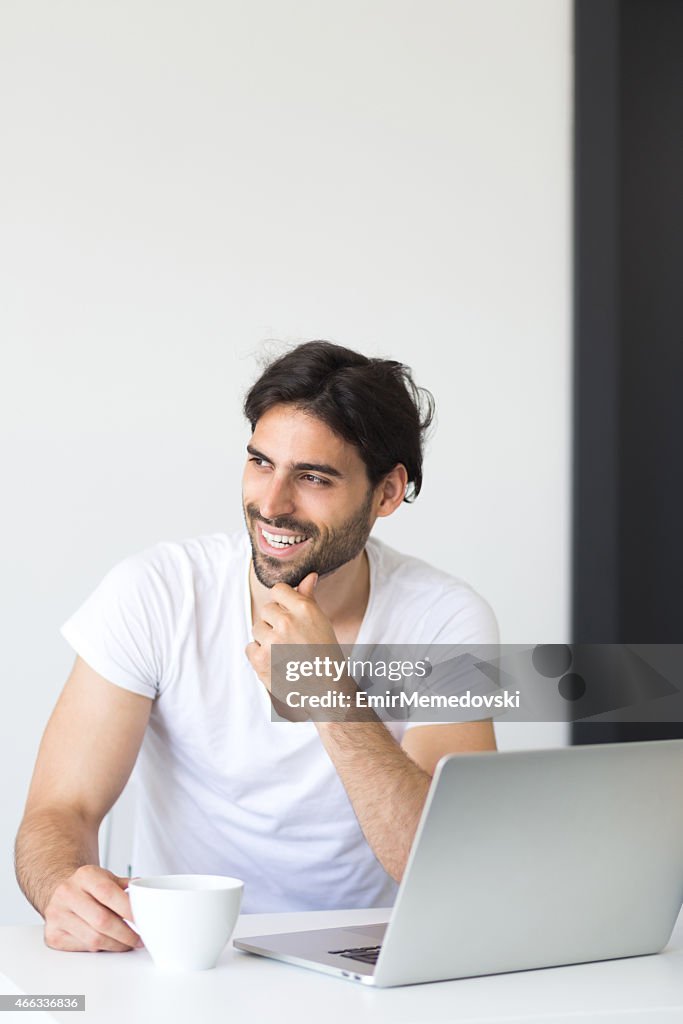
{"x": 278, "y": 499}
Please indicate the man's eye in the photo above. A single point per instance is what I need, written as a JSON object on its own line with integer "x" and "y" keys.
{"x": 313, "y": 479}
{"x": 258, "y": 462}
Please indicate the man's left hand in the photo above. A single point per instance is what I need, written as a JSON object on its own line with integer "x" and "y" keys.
{"x": 292, "y": 617}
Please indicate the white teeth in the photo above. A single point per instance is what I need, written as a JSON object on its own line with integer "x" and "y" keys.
{"x": 277, "y": 541}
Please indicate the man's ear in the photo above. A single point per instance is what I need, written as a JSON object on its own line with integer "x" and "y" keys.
{"x": 391, "y": 490}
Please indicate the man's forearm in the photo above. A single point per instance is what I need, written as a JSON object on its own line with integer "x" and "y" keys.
{"x": 386, "y": 788}
{"x": 50, "y": 846}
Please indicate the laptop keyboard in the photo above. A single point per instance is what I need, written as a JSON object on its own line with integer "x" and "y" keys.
{"x": 366, "y": 954}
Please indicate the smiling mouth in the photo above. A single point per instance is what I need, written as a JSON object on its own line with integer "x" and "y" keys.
{"x": 280, "y": 540}
{"x": 279, "y": 544}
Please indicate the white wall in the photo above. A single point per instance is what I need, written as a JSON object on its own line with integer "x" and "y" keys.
{"x": 181, "y": 182}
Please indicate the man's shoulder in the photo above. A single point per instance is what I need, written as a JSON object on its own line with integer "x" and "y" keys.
{"x": 208, "y": 557}
{"x": 399, "y": 569}
{"x": 433, "y": 600}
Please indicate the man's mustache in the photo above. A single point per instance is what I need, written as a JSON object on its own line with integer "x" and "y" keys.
{"x": 282, "y": 523}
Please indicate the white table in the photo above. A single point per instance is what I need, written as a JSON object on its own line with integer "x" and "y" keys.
{"x": 125, "y": 987}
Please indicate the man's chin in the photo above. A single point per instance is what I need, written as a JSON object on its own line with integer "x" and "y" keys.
{"x": 291, "y": 575}
{"x": 269, "y": 575}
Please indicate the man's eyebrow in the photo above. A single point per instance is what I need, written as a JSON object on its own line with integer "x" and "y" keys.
{"x": 317, "y": 467}
{"x": 305, "y": 467}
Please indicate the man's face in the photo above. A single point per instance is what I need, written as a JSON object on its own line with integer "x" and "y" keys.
{"x": 308, "y": 503}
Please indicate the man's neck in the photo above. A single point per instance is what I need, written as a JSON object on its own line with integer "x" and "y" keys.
{"x": 342, "y": 596}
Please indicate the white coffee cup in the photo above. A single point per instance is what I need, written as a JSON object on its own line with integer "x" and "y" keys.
{"x": 185, "y": 920}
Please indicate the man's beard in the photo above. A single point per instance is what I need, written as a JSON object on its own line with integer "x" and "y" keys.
{"x": 328, "y": 549}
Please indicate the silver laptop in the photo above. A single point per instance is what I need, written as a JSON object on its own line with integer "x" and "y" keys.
{"x": 523, "y": 860}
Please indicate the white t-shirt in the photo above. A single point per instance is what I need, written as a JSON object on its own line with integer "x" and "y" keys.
{"x": 222, "y": 788}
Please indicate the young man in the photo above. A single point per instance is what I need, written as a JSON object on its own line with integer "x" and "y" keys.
{"x": 173, "y": 671}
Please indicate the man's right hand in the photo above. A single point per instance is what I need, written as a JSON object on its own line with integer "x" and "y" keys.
{"x": 86, "y": 912}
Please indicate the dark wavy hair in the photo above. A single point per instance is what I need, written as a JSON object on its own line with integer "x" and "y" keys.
{"x": 373, "y": 404}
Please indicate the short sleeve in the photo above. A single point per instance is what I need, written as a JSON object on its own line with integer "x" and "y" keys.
{"x": 472, "y": 624}
{"x": 124, "y": 630}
